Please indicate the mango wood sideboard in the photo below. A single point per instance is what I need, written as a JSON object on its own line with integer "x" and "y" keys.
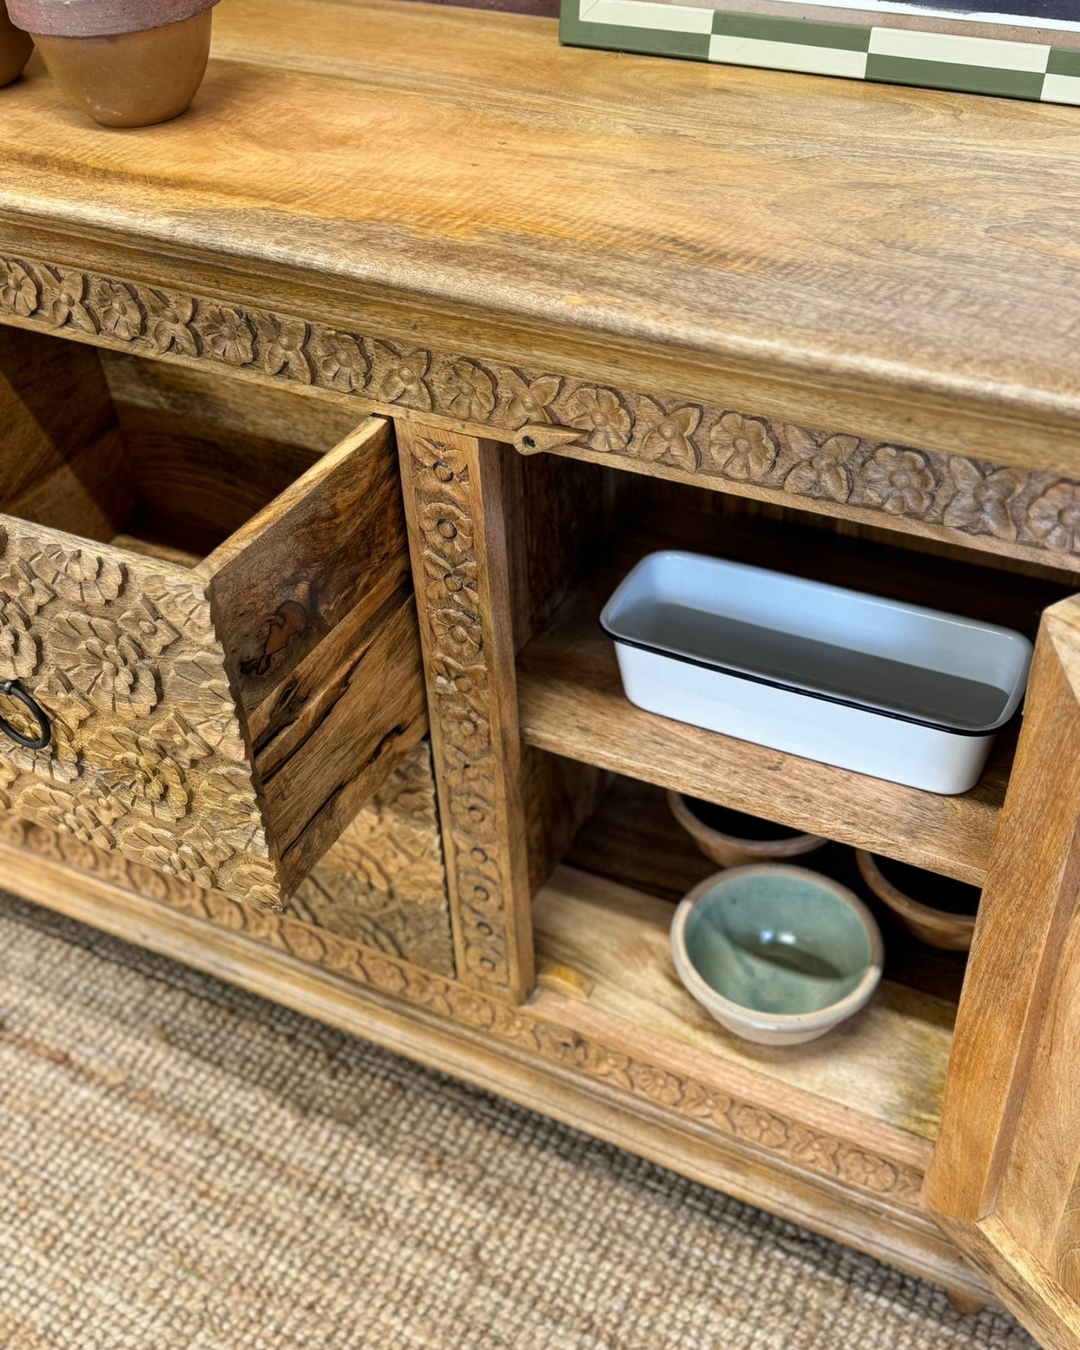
{"x": 330, "y": 413}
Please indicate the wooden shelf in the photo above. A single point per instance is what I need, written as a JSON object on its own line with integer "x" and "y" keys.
{"x": 634, "y": 840}
{"x": 571, "y": 703}
{"x": 876, "y": 1080}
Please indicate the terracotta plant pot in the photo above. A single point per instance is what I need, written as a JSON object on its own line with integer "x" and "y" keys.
{"x": 731, "y": 839}
{"x": 15, "y": 48}
{"x": 935, "y": 909}
{"x": 127, "y": 63}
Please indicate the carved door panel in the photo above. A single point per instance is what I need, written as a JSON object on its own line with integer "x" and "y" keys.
{"x": 221, "y": 723}
{"x": 1005, "y": 1178}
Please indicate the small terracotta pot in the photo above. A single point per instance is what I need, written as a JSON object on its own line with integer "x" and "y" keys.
{"x": 15, "y": 48}
{"x": 127, "y": 63}
{"x": 948, "y": 929}
{"x": 724, "y": 836}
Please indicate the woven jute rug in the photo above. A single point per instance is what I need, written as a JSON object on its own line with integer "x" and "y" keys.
{"x": 184, "y": 1165}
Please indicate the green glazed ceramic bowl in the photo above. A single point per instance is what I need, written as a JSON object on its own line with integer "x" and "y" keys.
{"x": 778, "y": 955}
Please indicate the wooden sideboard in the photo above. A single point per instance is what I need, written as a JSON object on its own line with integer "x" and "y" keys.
{"x": 329, "y": 415}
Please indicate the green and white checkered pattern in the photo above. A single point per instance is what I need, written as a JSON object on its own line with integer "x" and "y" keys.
{"x": 974, "y": 65}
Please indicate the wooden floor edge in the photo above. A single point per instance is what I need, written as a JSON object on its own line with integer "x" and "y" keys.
{"x": 916, "y": 1245}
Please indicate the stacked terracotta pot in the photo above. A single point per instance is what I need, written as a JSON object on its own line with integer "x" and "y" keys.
{"x": 127, "y": 63}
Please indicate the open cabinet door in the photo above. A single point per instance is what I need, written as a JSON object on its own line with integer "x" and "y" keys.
{"x": 1005, "y": 1177}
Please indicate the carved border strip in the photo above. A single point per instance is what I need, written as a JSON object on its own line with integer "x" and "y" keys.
{"x": 971, "y": 501}
{"x": 469, "y": 678}
{"x": 679, "y": 1096}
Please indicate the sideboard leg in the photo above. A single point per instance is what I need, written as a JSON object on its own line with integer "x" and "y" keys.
{"x": 453, "y": 502}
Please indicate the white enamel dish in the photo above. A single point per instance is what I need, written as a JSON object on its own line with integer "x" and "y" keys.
{"x": 894, "y": 690}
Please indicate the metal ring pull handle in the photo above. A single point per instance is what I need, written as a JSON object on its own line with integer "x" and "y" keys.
{"x": 11, "y": 687}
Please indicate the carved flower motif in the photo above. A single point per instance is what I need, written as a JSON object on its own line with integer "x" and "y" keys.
{"x": 145, "y": 622}
{"x": 898, "y": 480}
{"x": 340, "y": 362}
{"x": 18, "y": 290}
{"x": 529, "y": 399}
{"x": 282, "y": 344}
{"x": 167, "y": 322}
{"x": 19, "y": 651}
{"x": 743, "y": 446}
{"x": 200, "y": 695}
{"x": 447, "y": 527}
{"x": 258, "y": 883}
{"x": 981, "y": 504}
{"x": 656, "y": 1083}
{"x": 147, "y": 780}
{"x": 67, "y": 711}
{"x": 607, "y": 421}
{"x": 601, "y": 1062}
{"x": 78, "y": 574}
{"x": 8, "y": 775}
{"x": 670, "y": 439}
{"x": 470, "y": 391}
{"x": 404, "y": 382}
{"x": 21, "y": 587}
{"x": 226, "y": 334}
{"x": 227, "y": 793}
{"x": 758, "y": 1125}
{"x": 63, "y": 293}
{"x": 458, "y": 633}
{"x": 1055, "y": 517}
{"x": 103, "y": 663}
{"x": 177, "y": 738}
{"x": 117, "y": 309}
{"x": 192, "y": 859}
{"x": 865, "y": 1170}
{"x": 85, "y": 817}
{"x": 823, "y": 473}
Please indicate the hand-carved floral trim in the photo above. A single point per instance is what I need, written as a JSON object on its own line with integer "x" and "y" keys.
{"x": 747, "y": 1123}
{"x": 976, "y": 501}
{"x": 383, "y": 883}
{"x": 459, "y": 698}
{"x": 146, "y": 752}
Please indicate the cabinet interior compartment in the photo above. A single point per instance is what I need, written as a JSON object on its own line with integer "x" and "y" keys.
{"x": 605, "y": 886}
{"x": 223, "y": 724}
{"x": 149, "y": 456}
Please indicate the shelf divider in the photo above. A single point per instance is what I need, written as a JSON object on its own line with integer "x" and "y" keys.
{"x": 571, "y": 703}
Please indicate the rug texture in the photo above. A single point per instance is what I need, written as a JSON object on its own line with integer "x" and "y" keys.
{"x": 184, "y": 1165}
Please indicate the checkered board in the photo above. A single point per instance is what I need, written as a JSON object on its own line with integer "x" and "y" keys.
{"x": 975, "y": 65}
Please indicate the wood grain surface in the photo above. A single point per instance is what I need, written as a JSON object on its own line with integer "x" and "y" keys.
{"x": 1005, "y": 1168}
{"x": 868, "y": 258}
{"x": 572, "y": 703}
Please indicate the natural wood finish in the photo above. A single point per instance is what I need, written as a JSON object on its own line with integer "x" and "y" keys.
{"x": 634, "y": 840}
{"x": 383, "y": 883}
{"x": 937, "y": 927}
{"x": 729, "y": 850}
{"x": 206, "y": 453}
{"x": 572, "y": 703}
{"x": 63, "y": 461}
{"x": 313, "y": 601}
{"x": 878, "y": 1078}
{"x": 944, "y": 498}
{"x": 270, "y": 431}
{"x": 622, "y": 1092}
{"x": 166, "y": 744}
{"x": 453, "y": 490}
{"x": 131, "y": 543}
{"x": 1005, "y": 1170}
{"x": 689, "y": 243}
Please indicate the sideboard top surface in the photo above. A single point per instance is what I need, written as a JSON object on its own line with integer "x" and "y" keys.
{"x": 464, "y": 166}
